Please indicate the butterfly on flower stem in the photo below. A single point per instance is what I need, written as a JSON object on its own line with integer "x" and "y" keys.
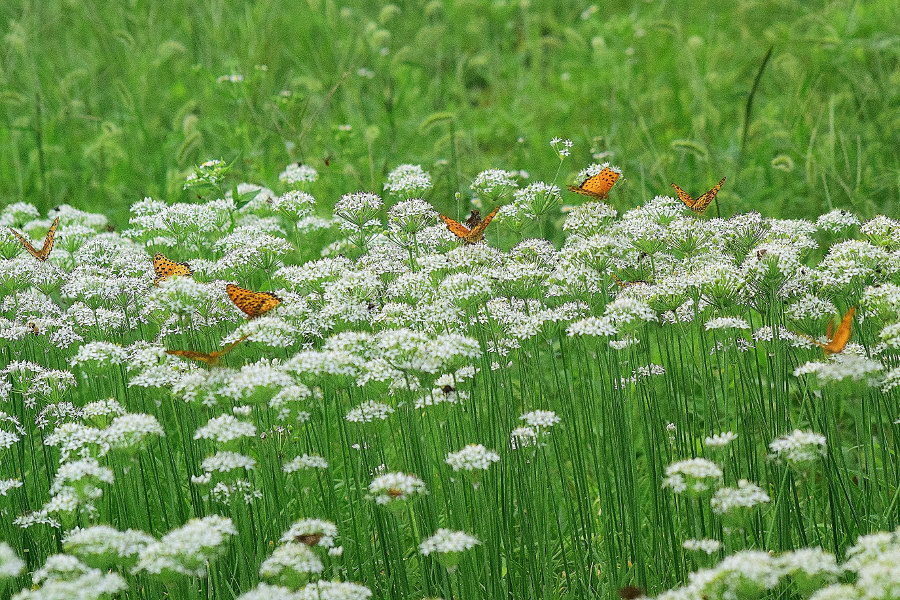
{"x": 469, "y": 235}
{"x": 598, "y": 186}
{"x": 212, "y": 359}
{"x": 838, "y": 342}
{"x": 166, "y": 268}
{"x": 44, "y": 252}
{"x": 473, "y": 220}
{"x": 700, "y": 204}
{"x": 253, "y": 304}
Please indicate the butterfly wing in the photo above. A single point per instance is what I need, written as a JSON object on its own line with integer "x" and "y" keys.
{"x": 842, "y": 334}
{"x": 253, "y": 304}
{"x": 166, "y": 268}
{"x": 706, "y": 199}
{"x": 456, "y": 227}
{"x": 477, "y": 234}
{"x": 210, "y": 359}
{"x": 25, "y": 242}
{"x": 684, "y": 197}
{"x": 597, "y": 186}
{"x": 48, "y": 241}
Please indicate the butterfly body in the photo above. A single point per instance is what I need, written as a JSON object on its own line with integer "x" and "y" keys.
{"x": 598, "y": 186}
{"x": 44, "y": 252}
{"x": 473, "y": 220}
{"x": 471, "y": 235}
{"x": 251, "y": 303}
{"x": 700, "y": 204}
{"x": 165, "y": 268}
{"x": 212, "y": 359}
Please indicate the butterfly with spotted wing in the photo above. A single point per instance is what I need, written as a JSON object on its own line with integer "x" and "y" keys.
{"x": 471, "y": 235}
{"x": 253, "y": 304}
{"x": 44, "y": 252}
{"x": 700, "y": 204}
{"x": 598, "y": 186}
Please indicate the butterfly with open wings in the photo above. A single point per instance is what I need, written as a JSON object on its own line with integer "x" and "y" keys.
{"x": 165, "y": 268}
{"x": 252, "y": 304}
{"x": 471, "y": 235}
{"x": 700, "y": 204}
{"x": 212, "y": 359}
{"x": 598, "y": 186}
{"x": 44, "y": 252}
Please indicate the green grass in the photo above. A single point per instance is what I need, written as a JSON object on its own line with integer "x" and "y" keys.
{"x": 106, "y": 103}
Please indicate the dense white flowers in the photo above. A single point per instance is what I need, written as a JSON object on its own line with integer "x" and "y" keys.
{"x": 472, "y": 457}
{"x": 695, "y": 475}
{"x": 799, "y": 448}
{"x": 446, "y": 541}
{"x": 395, "y": 487}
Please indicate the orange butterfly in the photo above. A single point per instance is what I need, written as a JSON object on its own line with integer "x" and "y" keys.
{"x": 212, "y": 359}
{"x": 44, "y": 252}
{"x": 598, "y": 186}
{"x": 166, "y": 268}
{"x": 252, "y": 303}
{"x": 473, "y": 235}
{"x": 625, "y": 284}
{"x": 699, "y": 205}
{"x": 841, "y": 336}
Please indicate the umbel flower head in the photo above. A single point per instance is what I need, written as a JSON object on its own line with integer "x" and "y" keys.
{"x": 800, "y": 449}
{"x": 395, "y": 488}
{"x": 447, "y": 546}
{"x": 188, "y": 549}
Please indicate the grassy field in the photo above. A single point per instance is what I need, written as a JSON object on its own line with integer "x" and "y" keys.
{"x": 106, "y": 103}
{"x": 601, "y": 400}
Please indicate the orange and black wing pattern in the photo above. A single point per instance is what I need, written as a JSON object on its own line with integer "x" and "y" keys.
{"x": 477, "y": 233}
{"x": 460, "y": 230}
{"x": 598, "y": 186}
{"x": 166, "y": 268}
{"x": 700, "y": 204}
{"x": 212, "y": 358}
{"x": 44, "y": 252}
{"x": 470, "y": 236}
{"x": 253, "y": 304}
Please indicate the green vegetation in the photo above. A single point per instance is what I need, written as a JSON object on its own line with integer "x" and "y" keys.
{"x": 104, "y": 103}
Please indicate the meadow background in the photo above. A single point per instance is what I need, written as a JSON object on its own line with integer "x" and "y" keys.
{"x": 106, "y": 103}
{"x": 798, "y": 104}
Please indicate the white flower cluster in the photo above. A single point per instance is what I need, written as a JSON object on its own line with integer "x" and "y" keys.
{"x": 471, "y": 458}
{"x": 395, "y": 487}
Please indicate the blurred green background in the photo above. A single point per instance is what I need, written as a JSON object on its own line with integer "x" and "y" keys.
{"x": 104, "y": 103}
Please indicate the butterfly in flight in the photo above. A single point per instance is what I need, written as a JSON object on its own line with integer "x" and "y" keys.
{"x": 166, "y": 268}
{"x": 471, "y": 235}
{"x": 841, "y": 336}
{"x": 212, "y": 359}
{"x": 253, "y": 304}
{"x": 44, "y": 252}
{"x": 598, "y": 186}
{"x": 700, "y": 204}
